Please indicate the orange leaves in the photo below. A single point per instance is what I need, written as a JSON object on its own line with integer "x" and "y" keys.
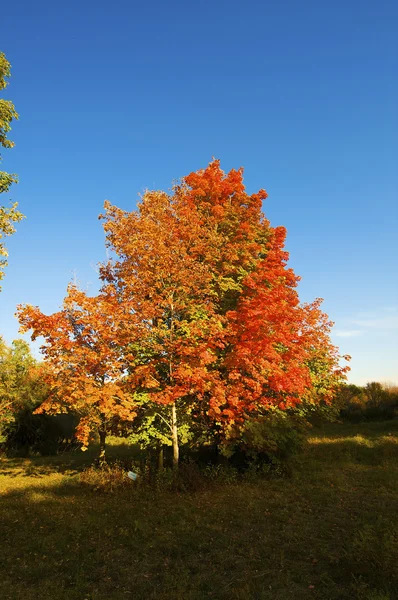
{"x": 86, "y": 371}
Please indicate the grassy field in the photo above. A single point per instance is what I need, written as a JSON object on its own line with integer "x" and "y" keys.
{"x": 329, "y": 532}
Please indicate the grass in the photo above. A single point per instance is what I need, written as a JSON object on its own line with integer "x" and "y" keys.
{"x": 329, "y": 532}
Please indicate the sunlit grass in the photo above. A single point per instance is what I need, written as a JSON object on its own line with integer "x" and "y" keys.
{"x": 356, "y": 439}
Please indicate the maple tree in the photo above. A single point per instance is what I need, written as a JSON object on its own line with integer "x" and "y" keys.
{"x": 198, "y": 322}
{"x": 8, "y": 215}
{"x": 215, "y": 325}
{"x": 86, "y": 370}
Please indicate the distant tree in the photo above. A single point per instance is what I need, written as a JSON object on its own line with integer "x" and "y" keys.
{"x": 350, "y": 395}
{"x": 381, "y": 403}
{"x": 8, "y": 215}
{"x": 21, "y": 382}
{"x": 373, "y": 402}
{"x": 375, "y": 393}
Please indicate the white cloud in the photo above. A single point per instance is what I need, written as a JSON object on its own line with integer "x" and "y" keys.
{"x": 347, "y": 333}
{"x": 384, "y": 319}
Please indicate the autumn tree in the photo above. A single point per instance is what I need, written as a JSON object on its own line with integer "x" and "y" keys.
{"x": 8, "y": 215}
{"x": 198, "y": 321}
{"x": 86, "y": 369}
{"x": 214, "y": 321}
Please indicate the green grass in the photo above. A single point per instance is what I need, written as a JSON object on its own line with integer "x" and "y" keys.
{"x": 329, "y": 532}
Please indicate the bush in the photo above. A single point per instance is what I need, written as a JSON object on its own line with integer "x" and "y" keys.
{"x": 32, "y": 433}
{"x": 107, "y": 478}
{"x": 221, "y": 473}
{"x": 187, "y": 478}
{"x": 40, "y": 434}
{"x": 266, "y": 444}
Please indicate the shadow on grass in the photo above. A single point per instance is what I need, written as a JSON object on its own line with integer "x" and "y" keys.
{"x": 331, "y": 537}
{"x": 276, "y": 540}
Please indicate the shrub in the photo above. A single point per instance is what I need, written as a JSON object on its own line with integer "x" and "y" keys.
{"x": 107, "y": 478}
{"x": 40, "y": 434}
{"x": 267, "y": 443}
{"x": 188, "y": 478}
{"x": 221, "y": 473}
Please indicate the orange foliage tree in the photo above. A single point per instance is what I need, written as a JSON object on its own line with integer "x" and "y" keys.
{"x": 214, "y": 321}
{"x": 86, "y": 368}
{"x": 198, "y": 315}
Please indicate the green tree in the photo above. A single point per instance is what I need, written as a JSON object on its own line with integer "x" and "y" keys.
{"x": 21, "y": 383}
{"x": 152, "y": 427}
{"x": 8, "y": 215}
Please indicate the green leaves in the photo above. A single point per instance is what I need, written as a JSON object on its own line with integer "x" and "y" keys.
{"x": 21, "y": 384}
{"x": 7, "y": 115}
{"x": 10, "y": 215}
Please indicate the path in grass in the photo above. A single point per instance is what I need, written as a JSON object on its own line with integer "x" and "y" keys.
{"x": 329, "y": 532}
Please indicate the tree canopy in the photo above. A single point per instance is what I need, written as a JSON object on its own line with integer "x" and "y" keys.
{"x": 198, "y": 314}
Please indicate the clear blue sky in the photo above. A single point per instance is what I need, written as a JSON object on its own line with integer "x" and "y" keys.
{"x": 118, "y": 97}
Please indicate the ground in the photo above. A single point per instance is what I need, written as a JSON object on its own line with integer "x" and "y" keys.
{"x": 328, "y": 532}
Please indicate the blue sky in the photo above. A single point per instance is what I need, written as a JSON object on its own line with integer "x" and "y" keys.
{"x": 118, "y": 97}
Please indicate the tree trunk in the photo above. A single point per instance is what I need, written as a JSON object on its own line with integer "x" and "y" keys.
{"x": 160, "y": 458}
{"x": 174, "y": 435}
{"x": 101, "y": 458}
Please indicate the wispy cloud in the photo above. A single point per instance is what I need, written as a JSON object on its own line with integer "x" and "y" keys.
{"x": 347, "y": 333}
{"x": 386, "y": 318}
